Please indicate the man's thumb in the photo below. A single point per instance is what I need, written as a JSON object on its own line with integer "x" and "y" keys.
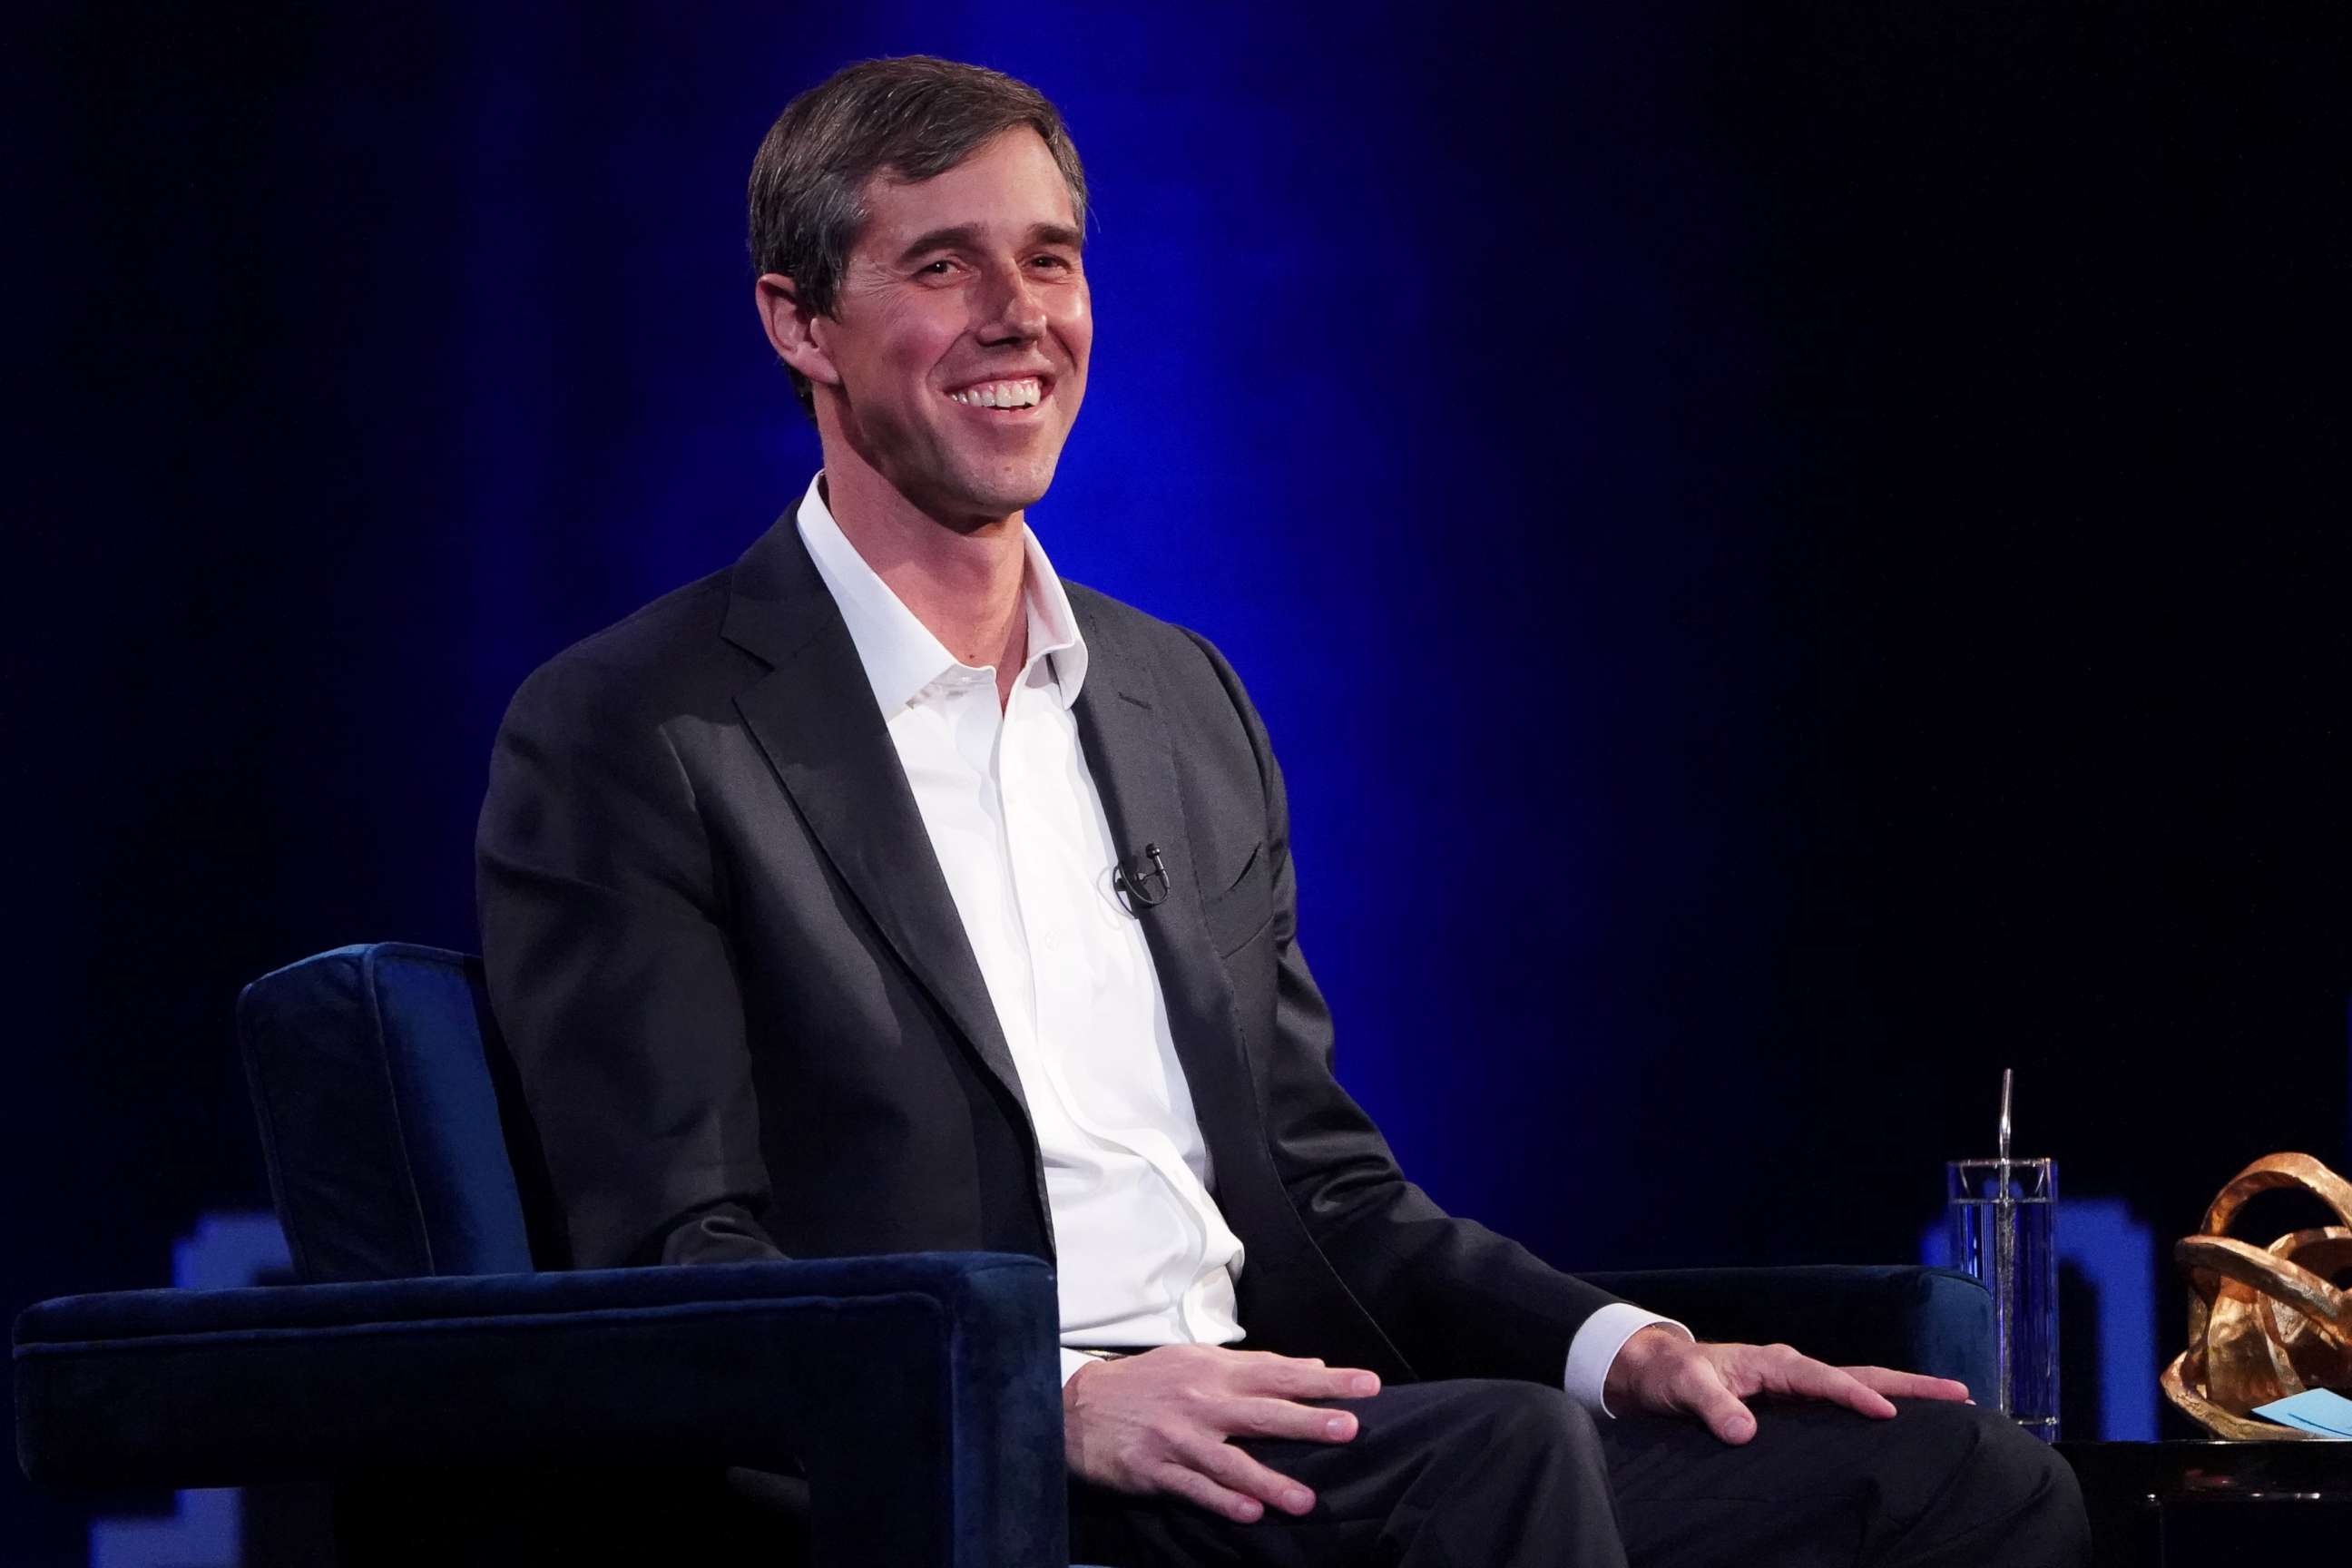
{"x": 1728, "y": 1419}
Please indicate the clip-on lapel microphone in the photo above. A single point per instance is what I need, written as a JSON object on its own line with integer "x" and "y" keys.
{"x": 1135, "y": 888}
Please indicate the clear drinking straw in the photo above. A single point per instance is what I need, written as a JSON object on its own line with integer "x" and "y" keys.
{"x": 2004, "y": 1256}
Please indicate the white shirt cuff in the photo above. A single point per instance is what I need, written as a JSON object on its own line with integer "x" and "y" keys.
{"x": 1594, "y": 1350}
{"x": 1073, "y": 1359}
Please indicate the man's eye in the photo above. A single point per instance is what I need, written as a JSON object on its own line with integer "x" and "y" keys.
{"x": 934, "y": 269}
{"x": 1062, "y": 262}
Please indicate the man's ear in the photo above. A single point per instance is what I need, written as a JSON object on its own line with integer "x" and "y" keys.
{"x": 793, "y": 328}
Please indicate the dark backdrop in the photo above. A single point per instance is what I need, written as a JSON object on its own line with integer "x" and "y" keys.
{"x": 1794, "y": 554}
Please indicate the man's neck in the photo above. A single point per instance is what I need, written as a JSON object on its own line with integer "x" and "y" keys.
{"x": 965, "y": 585}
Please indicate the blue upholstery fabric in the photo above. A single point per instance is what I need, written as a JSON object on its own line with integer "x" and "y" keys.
{"x": 918, "y": 1391}
{"x": 1935, "y": 1321}
{"x": 379, "y": 1120}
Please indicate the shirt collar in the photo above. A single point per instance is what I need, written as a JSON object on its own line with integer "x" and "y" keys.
{"x": 900, "y": 655}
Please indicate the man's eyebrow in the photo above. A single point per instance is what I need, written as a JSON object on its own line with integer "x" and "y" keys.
{"x": 967, "y": 236}
{"x": 962, "y": 237}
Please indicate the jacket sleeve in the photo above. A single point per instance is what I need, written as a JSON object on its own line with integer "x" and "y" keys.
{"x": 1456, "y": 1299}
{"x": 611, "y": 975}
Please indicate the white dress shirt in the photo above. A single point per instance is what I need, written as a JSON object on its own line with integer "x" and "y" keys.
{"x": 1143, "y": 1255}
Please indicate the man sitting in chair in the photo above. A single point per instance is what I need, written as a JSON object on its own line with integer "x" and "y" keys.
{"x": 885, "y": 893}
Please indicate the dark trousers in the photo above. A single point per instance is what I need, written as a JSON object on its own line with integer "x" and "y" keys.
{"x": 1477, "y": 1474}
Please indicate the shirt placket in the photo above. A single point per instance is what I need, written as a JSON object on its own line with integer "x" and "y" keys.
{"x": 1048, "y": 924}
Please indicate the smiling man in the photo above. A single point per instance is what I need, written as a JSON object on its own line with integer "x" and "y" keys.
{"x": 886, "y": 892}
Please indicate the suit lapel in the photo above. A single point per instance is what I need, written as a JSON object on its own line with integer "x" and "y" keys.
{"x": 1290, "y": 1293}
{"x": 814, "y": 716}
{"x": 1133, "y": 761}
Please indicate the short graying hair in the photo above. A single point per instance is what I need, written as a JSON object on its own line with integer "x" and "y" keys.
{"x": 912, "y": 118}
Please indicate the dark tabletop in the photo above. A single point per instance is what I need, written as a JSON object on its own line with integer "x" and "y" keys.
{"x": 2160, "y": 1505}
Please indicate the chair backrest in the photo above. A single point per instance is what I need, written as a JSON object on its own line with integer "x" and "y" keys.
{"x": 388, "y": 1115}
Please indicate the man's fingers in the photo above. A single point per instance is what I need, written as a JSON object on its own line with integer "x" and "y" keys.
{"x": 1725, "y": 1417}
{"x": 1283, "y": 1418}
{"x": 1701, "y": 1392}
{"x": 1309, "y": 1380}
{"x": 1198, "y": 1489}
{"x": 1783, "y": 1371}
{"x": 1237, "y": 1472}
{"x": 1908, "y": 1384}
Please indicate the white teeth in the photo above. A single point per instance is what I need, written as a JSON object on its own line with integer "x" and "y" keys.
{"x": 1023, "y": 393}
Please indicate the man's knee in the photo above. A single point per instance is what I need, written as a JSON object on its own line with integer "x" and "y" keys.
{"x": 1532, "y": 1423}
{"x": 1983, "y": 1450}
{"x": 1490, "y": 1471}
{"x": 2021, "y": 1471}
{"x": 1994, "y": 1481}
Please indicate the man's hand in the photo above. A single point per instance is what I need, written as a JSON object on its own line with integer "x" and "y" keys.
{"x": 1660, "y": 1371}
{"x": 1158, "y": 1423}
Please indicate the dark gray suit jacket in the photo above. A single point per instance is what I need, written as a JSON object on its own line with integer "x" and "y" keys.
{"x": 749, "y": 1024}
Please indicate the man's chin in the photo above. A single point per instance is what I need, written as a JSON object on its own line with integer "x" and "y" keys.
{"x": 950, "y": 482}
{"x": 996, "y": 494}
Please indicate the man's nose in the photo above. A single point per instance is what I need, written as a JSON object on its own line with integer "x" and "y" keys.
{"x": 1015, "y": 311}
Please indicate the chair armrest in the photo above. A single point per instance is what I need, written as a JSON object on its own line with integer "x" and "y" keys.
{"x": 1936, "y": 1321}
{"x": 919, "y": 1392}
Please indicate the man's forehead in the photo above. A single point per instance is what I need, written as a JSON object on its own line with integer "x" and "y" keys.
{"x": 1008, "y": 188}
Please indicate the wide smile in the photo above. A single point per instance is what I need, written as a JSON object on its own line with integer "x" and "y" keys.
{"x": 1015, "y": 399}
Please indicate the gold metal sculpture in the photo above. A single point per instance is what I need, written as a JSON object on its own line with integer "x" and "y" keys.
{"x": 2264, "y": 1321}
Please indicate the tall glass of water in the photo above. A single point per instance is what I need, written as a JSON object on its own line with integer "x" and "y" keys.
{"x": 2003, "y": 1217}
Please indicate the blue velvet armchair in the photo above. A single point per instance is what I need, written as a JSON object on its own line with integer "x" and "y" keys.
{"x": 472, "y": 1400}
